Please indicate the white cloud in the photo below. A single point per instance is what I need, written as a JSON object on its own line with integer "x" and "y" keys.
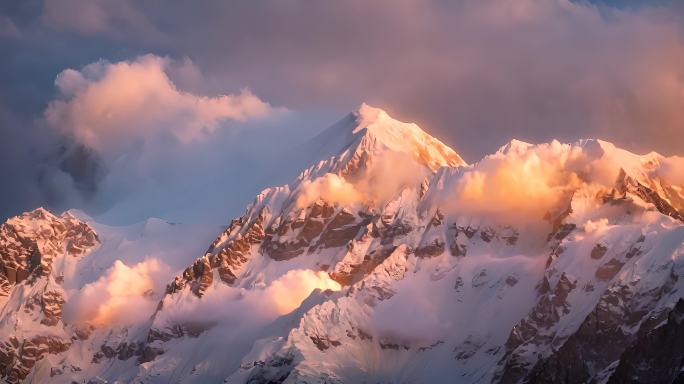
{"x": 329, "y": 187}
{"x": 671, "y": 169}
{"x": 112, "y": 107}
{"x": 382, "y": 181}
{"x": 229, "y": 306}
{"x": 287, "y": 292}
{"x": 123, "y": 295}
{"x": 522, "y": 182}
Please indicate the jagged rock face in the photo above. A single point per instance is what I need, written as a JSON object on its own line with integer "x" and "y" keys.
{"x": 226, "y": 254}
{"x": 666, "y": 203}
{"x": 29, "y": 245}
{"x": 550, "y": 345}
{"x": 30, "y": 242}
{"x": 602, "y": 337}
{"x": 657, "y": 355}
{"x": 17, "y": 358}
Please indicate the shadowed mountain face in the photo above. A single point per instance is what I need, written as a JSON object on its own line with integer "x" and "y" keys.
{"x": 388, "y": 260}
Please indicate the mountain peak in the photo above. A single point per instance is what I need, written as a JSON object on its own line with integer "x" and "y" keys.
{"x": 367, "y": 115}
{"x": 381, "y": 130}
{"x": 514, "y": 145}
{"x": 370, "y": 133}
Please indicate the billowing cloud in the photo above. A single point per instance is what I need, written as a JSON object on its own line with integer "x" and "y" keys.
{"x": 109, "y": 107}
{"x": 286, "y": 293}
{"x": 524, "y": 182}
{"x": 671, "y": 169}
{"x": 329, "y": 187}
{"x": 123, "y": 295}
{"x": 388, "y": 174}
{"x": 227, "y": 306}
{"x": 382, "y": 181}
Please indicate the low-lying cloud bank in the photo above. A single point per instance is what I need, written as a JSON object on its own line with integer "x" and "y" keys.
{"x": 227, "y": 306}
{"x": 127, "y": 295}
{"x": 524, "y": 182}
{"x": 124, "y": 295}
{"x": 382, "y": 181}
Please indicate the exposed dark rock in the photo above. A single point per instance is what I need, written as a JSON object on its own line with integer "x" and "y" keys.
{"x": 468, "y": 348}
{"x": 656, "y": 356}
{"x": 601, "y": 338}
{"x": 627, "y": 184}
{"x": 227, "y": 256}
{"x": 468, "y": 231}
{"x": 511, "y": 280}
{"x": 358, "y": 272}
{"x": 598, "y": 251}
{"x": 393, "y": 346}
{"x": 29, "y": 243}
{"x": 487, "y": 234}
{"x": 390, "y": 232}
{"x": 433, "y": 249}
{"x": 511, "y": 236}
{"x": 458, "y": 250}
{"x": 459, "y": 283}
{"x": 51, "y": 305}
{"x": 533, "y": 329}
{"x": 323, "y": 342}
{"x": 17, "y": 358}
{"x": 275, "y": 370}
{"x": 608, "y": 270}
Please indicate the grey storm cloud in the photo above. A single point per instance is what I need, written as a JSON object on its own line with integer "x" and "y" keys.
{"x": 473, "y": 73}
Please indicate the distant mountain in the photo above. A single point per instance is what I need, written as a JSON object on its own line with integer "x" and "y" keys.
{"x": 388, "y": 260}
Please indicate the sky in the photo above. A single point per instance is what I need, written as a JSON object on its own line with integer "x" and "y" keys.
{"x": 169, "y": 109}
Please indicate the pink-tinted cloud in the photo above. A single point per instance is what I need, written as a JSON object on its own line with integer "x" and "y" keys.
{"x": 110, "y": 106}
{"x": 123, "y": 295}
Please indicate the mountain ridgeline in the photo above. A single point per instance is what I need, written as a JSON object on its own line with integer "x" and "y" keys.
{"x": 388, "y": 260}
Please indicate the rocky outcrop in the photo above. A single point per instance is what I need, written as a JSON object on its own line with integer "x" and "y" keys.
{"x": 227, "y": 254}
{"x": 538, "y": 328}
{"x": 591, "y": 350}
{"x": 30, "y": 242}
{"x": 17, "y": 357}
{"x": 51, "y": 303}
{"x": 629, "y": 185}
{"x": 657, "y": 355}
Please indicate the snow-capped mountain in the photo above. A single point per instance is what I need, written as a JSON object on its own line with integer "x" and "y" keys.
{"x": 388, "y": 260}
